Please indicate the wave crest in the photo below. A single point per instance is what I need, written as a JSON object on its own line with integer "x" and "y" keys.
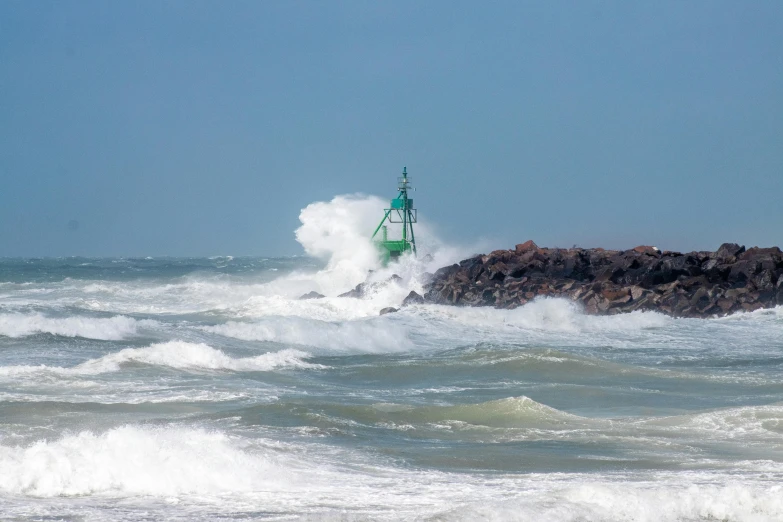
{"x": 132, "y": 460}
{"x": 361, "y": 336}
{"x": 114, "y": 328}
{"x": 174, "y": 354}
{"x": 511, "y": 412}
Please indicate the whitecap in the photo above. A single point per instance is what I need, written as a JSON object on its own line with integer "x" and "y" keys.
{"x": 174, "y": 354}
{"x": 109, "y": 328}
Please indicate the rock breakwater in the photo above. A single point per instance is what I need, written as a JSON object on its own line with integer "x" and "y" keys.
{"x": 694, "y": 284}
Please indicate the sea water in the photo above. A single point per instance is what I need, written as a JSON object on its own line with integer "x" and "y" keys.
{"x": 203, "y": 388}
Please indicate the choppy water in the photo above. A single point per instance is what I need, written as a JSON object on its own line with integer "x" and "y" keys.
{"x": 173, "y": 389}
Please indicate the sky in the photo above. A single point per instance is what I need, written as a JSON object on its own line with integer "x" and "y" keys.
{"x": 203, "y": 128}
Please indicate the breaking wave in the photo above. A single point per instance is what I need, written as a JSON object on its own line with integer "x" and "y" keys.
{"x": 367, "y": 336}
{"x": 134, "y": 460}
{"x": 170, "y": 462}
{"x": 174, "y": 354}
{"x": 109, "y": 329}
{"x": 339, "y": 232}
{"x": 556, "y": 315}
{"x": 510, "y": 412}
{"x": 624, "y": 502}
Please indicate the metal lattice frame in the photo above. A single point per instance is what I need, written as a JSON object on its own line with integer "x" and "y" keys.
{"x": 401, "y": 211}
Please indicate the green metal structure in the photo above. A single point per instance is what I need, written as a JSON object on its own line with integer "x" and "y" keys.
{"x": 401, "y": 211}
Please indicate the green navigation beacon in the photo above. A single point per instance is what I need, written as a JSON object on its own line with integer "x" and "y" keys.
{"x": 401, "y": 211}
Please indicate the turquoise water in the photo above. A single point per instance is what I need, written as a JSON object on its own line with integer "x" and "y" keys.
{"x": 173, "y": 389}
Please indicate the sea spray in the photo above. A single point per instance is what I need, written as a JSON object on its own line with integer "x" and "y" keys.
{"x": 339, "y": 232}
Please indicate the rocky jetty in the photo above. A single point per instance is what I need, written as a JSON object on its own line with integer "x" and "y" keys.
{"x": 696, "y": 284}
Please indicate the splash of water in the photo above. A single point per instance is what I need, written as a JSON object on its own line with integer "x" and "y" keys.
{"x": 339, "y": 232}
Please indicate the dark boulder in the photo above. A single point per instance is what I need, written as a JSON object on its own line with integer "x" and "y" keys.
{"x": 446, "y": 271}
{"x": 388, "y": 310}
{"x": 311, "y": 295}
{"x": 412, "y": 298}
{"x": 357, "y": 292}
{"x": 729, "y": 250}
{"x": 362, "y": 289}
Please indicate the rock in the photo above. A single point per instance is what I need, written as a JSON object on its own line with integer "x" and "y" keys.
{"x": 764, "y": 280}
{"x": 751, "y": 307}
{"x": 412, "y": 298}
{"x": 637, "y": 292}
{"x": 527, "y": 246}
{"x": 699, "y": 296}
{"x": 357, "y": 292}
{"x": 743, "y": 270}
{"x": 497, "y": 271}
{"x": 729, "y": 250}
{"x": 693, "y": 284}
{"x": 362, "y": 289}
{"x": 311, "y": 295}
{"x": 734, "y": 293}
{"x": 613, "y": 294}
{"x": 649, "y": 250}
{"x": 445, "y": 271}
{"x": 388, "y": 310}
{"x": 725, "y": 305}
{"x": 757, "y": 253}
{"x": 621, "y": 300}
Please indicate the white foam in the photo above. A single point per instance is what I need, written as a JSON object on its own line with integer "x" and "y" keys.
{"x": 174, "y": 354}
{"x": 751, "y": 424}
{"x": 326, "y": 309}
{"x": 189, "y": 465}
{"x": 657, "y": 502}
{"x": 546, "y": 321}
{"x": 553, "y": 315}
{"x": 367, "y": 336}
{"x": 110, "y": 329}
{"x": 339, "y": 232}
{"x": 134, "y": 460}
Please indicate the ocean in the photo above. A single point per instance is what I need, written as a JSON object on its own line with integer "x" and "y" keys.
{"x": 203, "y": 388}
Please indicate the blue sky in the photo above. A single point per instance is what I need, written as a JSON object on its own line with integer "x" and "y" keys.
{"x": 202, "y": 128}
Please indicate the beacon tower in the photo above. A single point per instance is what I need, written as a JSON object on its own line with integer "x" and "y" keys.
{"x": 401, "y": 212}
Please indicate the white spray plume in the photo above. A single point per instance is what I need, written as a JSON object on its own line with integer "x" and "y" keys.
{"x": 339, "y": 232}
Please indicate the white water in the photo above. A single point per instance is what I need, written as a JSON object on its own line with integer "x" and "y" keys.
{"x": 174, "y": 354}
{"x": 216, "y": 393}
{"x": 108, "y": 329}
{"x": 138, "y": 461}
{"x": 176, "y": 464}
